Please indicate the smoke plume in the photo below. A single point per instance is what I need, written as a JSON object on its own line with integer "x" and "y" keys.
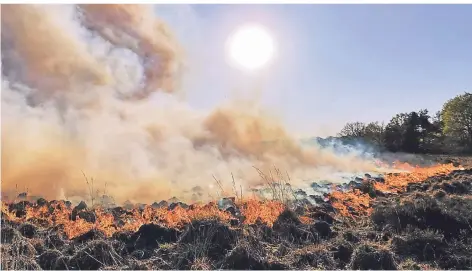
{"x": 87, "y": 93}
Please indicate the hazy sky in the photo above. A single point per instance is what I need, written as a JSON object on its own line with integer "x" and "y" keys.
{"x": 335, "y": 63}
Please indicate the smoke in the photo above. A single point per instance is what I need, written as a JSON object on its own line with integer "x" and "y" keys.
{"x": 41, "y": 52}
{"x": 88, "y": 92}
{"x": 136, "y": 28}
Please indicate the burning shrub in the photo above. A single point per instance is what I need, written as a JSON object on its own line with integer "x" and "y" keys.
{"x": 266, "y": 211}
{"x": 41, "y": 222}
{"x": 88, "y": 216}
{"x": 42, "y": 202}
{"x": 19, "y": 209}
{"x": 456, "y": 182}
{"x": 399, "y": 182}
{"x": 118, "y": 212}
{"x": 262, "y": 235}
{"x": 352, "y": 203}
{"x": 180, "y": 204}
{"x": 368, "y": 187}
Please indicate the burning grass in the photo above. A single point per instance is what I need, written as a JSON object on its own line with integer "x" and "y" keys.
{"x": 405, "y": 220}
{"x": 114, "y": 220}
{"x": 397, "y": 182}
{"x": 358, "y": 201}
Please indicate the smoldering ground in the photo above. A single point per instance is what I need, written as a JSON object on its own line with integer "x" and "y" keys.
{"x": 90, "y": 89}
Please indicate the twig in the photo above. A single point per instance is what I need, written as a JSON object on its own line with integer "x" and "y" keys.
{"x": 219, "y": 184}
{"x": 234, "y": 186}
{"x": 89, "y": 186}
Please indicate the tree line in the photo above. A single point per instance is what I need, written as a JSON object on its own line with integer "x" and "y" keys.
{"x": 448, "y": 131}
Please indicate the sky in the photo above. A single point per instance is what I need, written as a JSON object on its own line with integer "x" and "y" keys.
{"x": 334, "y": 64}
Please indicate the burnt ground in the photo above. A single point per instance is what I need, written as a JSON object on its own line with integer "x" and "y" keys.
{"x": 429, "y": 226}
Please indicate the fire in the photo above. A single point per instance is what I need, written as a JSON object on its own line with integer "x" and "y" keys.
{"x": 6, "y": 214}
{"x": 397, "y": 182}
{"x": 59, "y": 214}
{"x": 267, "y": 211}
{"x": 355, "y": 201}
{"x": 347, "y": 204}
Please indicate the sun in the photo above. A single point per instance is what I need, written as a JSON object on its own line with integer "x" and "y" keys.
{"x": 251, "y": 47}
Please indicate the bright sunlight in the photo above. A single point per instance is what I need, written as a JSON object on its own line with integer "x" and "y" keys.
{"x": 251, "y": 47}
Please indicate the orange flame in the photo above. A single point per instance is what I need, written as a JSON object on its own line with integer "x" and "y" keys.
{"x": 360, "y": 203}
{"x": 346, "y": 203}
{"x": 59, "y": 214}
{"x": 397, "y": 182}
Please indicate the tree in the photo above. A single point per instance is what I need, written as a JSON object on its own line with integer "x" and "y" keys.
{"x": 433, "y": 141}
{"x": 408, "y": 132}
{"x": 353, "y": 130}
{"x": 374, "y": 132}
{"x": 449, "y": 130}
{"x": 411, "y": 137}
{"x": 394, "y": 132}
{"x": 457, "y": 117}
{"x": 371, "y": 133}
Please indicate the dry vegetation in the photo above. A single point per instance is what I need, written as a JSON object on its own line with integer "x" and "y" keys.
{"x": 419, "y": 220}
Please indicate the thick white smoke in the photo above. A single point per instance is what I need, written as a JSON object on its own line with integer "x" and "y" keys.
{"x": 90, "y": 89}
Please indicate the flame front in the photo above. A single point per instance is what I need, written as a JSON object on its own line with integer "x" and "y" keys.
{"x": 361, "y": 203}
{"x": 254, "y": 210}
